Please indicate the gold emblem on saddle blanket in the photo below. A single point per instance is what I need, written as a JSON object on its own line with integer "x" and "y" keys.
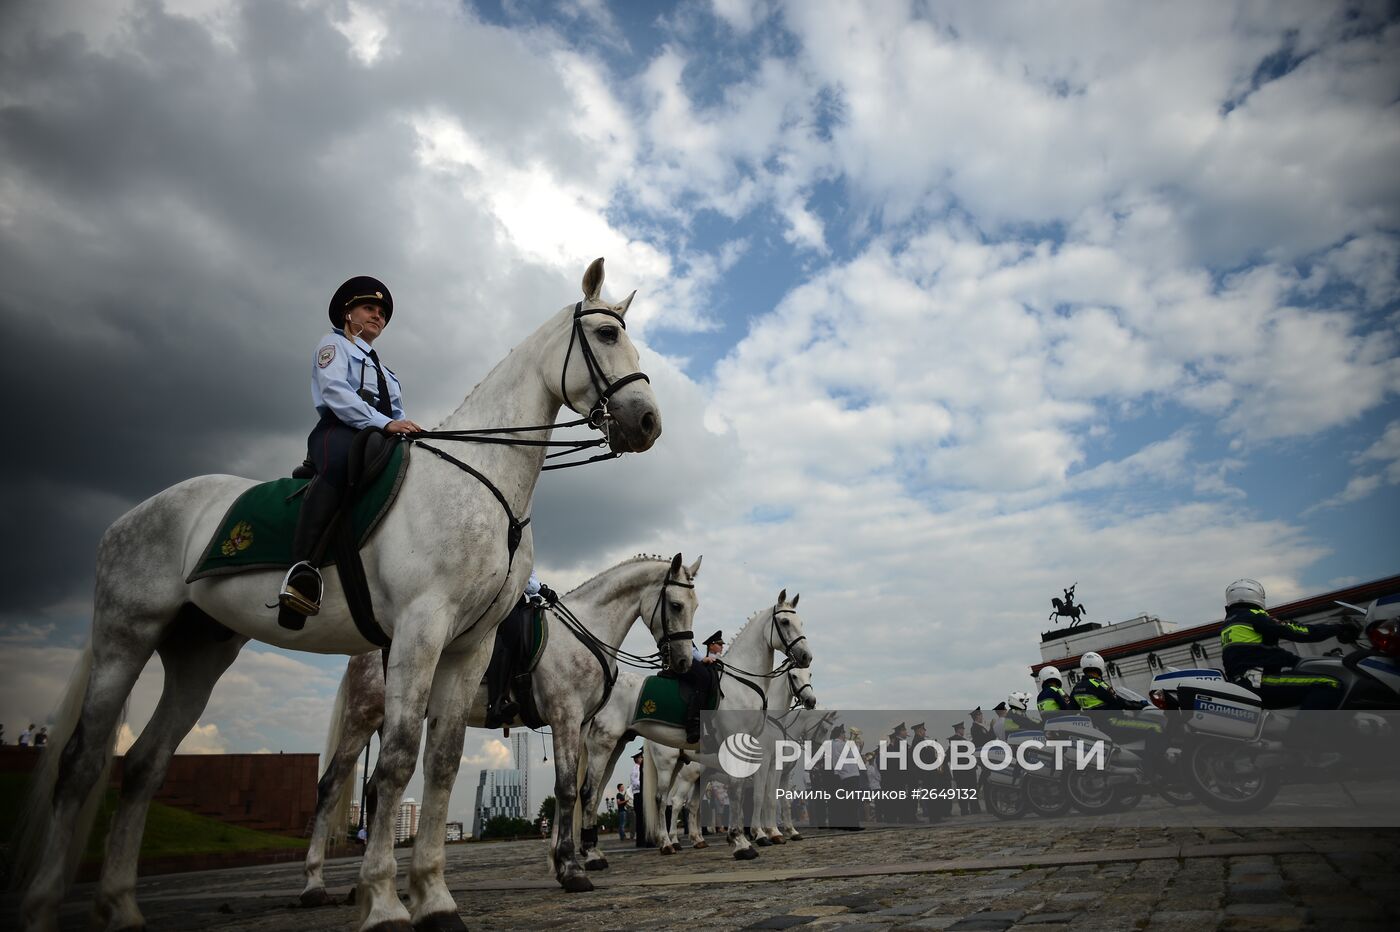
{"x": 649, "y": 706}
{"x": 240, "y": 538}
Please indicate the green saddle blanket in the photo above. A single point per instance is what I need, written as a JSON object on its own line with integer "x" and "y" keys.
{"x": 663, "y": 700}
{"x": 256, "y": 533}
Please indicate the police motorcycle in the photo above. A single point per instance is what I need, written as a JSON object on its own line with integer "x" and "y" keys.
{"x": 1014, "y": 791}
{"x": 1234, "y": 756}
{"x": 1126, "y": 771}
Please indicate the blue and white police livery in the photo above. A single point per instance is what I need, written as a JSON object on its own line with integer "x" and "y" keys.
{"x": 345, "y": 383}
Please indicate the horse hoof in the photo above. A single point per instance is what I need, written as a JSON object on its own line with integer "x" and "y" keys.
{"x": 794, "y": 837}
{"x": 761, "y": 841}
{"x": 315, "y": 897}
{"x": 701, "y": 844}
{"x": 745, "y": 854}
{"x": 777, "y": 840}
{"x": 576, "y": 883}
{"x": 667, "y": 849}
{"x": 440, "y": 922}
{"x": 392, "y": 925}
{"x": 599, "y": 865}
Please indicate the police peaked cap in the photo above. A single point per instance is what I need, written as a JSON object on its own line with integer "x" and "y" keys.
{"x": 959, "y": 725}
{"x": 716, "y": 638}
{"x": 999, "y": 707}
{"x": 901, "y": 726}
{"x": 362, "y": 289}
{"x": 921, "y": 725}
{"x": 976, "y": 711}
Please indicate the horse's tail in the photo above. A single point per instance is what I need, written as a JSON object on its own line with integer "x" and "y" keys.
{"x": 650, "y": 786}
{"x": 34, "y": 826}
{"x": 337, "y": 810}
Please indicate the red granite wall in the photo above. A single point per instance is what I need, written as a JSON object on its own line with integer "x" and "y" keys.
{"x": 267, "y": 792}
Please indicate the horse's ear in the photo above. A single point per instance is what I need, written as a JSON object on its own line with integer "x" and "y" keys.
{"x": 593, "y": 280}
{"x": 795, "y": 598}
{"x": 782, "y": 597}
{"x": 627, "y": 302}
{"x": 675, "y": 565}
{"x": 694, "y": 569}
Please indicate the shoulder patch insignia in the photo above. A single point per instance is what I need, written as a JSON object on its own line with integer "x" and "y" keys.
{"x": 324, "y": 357}
{"x": 648, "y": 707}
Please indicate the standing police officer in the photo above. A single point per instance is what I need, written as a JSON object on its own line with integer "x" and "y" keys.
{"x": 352, "y": 390}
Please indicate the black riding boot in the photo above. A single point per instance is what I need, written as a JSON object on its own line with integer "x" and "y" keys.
{"x": 301, "y": 587}
{"x": 500, "y": 708}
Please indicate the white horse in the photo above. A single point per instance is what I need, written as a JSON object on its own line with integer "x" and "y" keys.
{"x": 568, "y": 682}
{"x": 789, "y": 696}
{"x": 767, "y": 632}
{"x": 442, "y": 574}
{"x": 802, "y": 726}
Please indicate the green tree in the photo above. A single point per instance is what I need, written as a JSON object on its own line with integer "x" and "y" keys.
{"x": 504, "y": 826}
{"x": 546, "y": 810}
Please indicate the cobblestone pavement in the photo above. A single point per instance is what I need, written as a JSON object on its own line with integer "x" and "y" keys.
{"x": 972, "y": 874}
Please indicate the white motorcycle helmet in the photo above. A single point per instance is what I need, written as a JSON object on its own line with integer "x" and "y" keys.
{"x": 1247, "y": 591}
{"x": 1020, "y": 701}
{"x": 1047, "y": 674}
{"x": 1093, "y": 661}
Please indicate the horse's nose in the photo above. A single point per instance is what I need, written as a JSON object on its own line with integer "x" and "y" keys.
{"x": 649, "y": 425}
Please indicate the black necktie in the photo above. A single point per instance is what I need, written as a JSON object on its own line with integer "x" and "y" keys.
{"x": 382, "y": 405}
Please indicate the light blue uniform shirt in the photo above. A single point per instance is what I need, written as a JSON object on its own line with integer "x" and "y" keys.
{"x": 339, "y": 370}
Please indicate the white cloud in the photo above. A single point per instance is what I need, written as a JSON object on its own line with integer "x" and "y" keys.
{"x": 493, "y": 754}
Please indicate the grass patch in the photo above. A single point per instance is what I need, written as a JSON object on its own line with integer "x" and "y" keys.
{"x": 170, "y": 832}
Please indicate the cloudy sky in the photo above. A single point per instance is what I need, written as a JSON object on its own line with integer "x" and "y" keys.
{"x": 947, "y": 306}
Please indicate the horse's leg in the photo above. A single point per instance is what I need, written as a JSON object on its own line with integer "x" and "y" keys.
{"x": 357, "y": 715}
{"x": 743, "y": 851}
{"x": 194, "y": 657}
{"x": 600, "y": 738}
{"x": 125, "y": 634}
{"x": 413, "y": 662}
{"x": 567, "y": 869}
{"x": 432, "y": 905}
{"x": 697, "y": 836}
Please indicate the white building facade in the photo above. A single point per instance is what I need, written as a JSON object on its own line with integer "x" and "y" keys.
{"x": 1138, "y": 649}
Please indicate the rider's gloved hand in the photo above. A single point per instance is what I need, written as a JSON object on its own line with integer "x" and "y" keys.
{"x": 1349, "y": 633}
{"x": 549, "y": 595}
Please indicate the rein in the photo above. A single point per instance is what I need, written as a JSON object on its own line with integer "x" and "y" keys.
{"x": 598, "y": 418}
{"x": 787, "y": 664}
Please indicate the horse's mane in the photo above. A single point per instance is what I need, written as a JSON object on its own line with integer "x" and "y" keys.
{"x": 748, "y": 621}
{"x": 639, "y": 558}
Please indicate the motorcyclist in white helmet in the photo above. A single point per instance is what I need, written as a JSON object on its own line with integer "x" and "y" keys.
{"x": 1012, "y": 716}
{"x": 1249, "y": 640}
{"x": 1093, "y": 690}
{"x": 1053, "y": 699}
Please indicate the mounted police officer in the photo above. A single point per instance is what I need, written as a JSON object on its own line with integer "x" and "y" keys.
{"x": 1053, "y": 699}
{"x": 511, "y": 652}
{"x": 352, "y": 390}
{"x": 1249, "y": 640}
{"x": 703, "y": 677}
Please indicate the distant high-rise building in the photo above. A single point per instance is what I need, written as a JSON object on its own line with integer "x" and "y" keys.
{"x": 520, "y": 751}
{"x": 499, "y": 792}
{"x": 406, "y": 822}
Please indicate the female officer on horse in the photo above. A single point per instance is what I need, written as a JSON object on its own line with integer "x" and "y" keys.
{"x": 352, "y": 390}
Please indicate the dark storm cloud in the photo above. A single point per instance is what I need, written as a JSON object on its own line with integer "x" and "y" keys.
{"x": 174, "y": 213}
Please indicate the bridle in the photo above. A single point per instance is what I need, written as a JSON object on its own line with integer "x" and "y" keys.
{"x": 797, "y": 689}
{"x": 603, "y": 387}
{"x": 667, "y": 636}
{"x": 597, "y": 418}
{"x": 782, "y": 639}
